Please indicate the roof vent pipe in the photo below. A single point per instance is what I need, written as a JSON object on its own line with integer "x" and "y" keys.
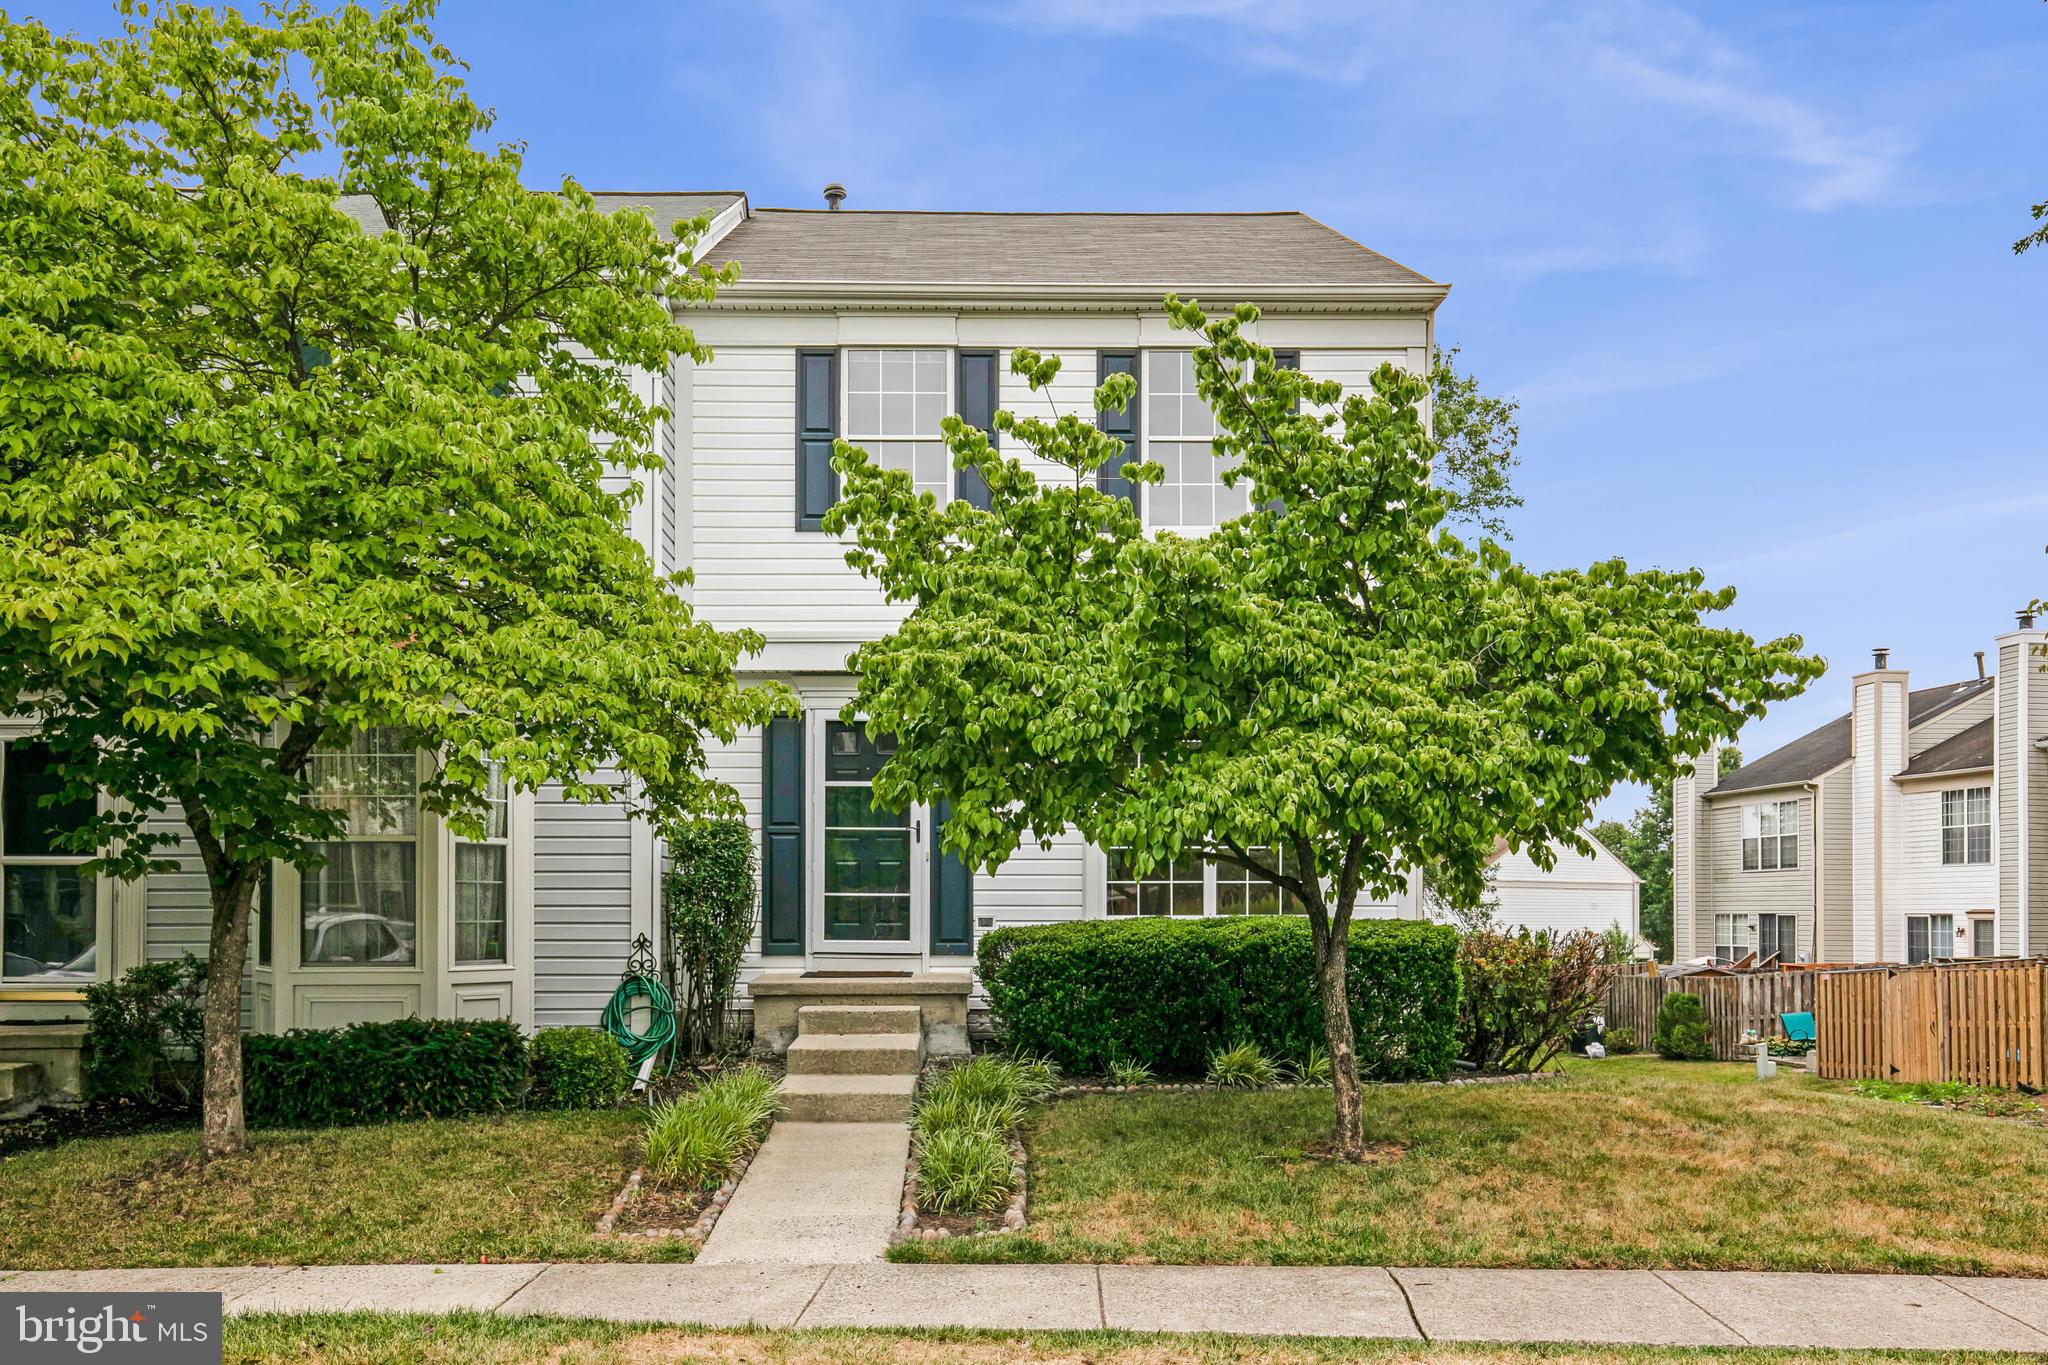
{"x": 1881, "y": 657}
{"x": 835, "y": 195}
{"x": 2026, "y": 618}
{"x": 1980, "y": 665}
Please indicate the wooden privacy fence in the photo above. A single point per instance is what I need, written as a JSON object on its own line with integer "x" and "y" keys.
{"x": 1745, "y": 1002}
{"x": 1980, "y": 1023}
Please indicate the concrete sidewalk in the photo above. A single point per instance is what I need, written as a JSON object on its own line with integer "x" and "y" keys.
{"x": 1684, "y": 1308}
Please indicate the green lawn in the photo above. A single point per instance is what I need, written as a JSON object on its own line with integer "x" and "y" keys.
{"x": 1630, "y": 1162}
{"x": 472, "y": 1339}
{"x": 523, "y": 1187}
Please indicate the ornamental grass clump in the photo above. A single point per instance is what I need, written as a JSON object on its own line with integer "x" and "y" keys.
{"x": 1242, "y": 1067}
{"x": 962, "y": 1125}
{"x": 1126, "y": 1074}
{"x": 697, "y": 1139}
{"x": 963, "y": 1170}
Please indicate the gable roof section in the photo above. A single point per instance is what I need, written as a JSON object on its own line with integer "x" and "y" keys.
{"x": 1821, "y": 751}
{"x": 1963, "y": 752}
{"x": 1166, "y": 250}
{"x": 665, "y": 207}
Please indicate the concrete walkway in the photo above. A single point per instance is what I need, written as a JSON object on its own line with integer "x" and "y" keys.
{"x": 1687, "y": 1308}
{"x": 816, "y": 1194}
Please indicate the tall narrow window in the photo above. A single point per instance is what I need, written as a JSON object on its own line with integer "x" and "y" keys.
{"x": 867, "y": 849}
{"x": 1770, "y": 836}
{"x": 49, "y": 914}
{"x": 895, "y": 401}
{"x": 1966, "y": 826}
{"x": 480, "y": 881}
{"x": 361, "y": 906}
{"x": 1179, "y": 433}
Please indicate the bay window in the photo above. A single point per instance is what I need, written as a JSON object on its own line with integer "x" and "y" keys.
{"x": 1966, "y": 826}
{"x": 895, "y": 401}
{"x": 361, "y": 906}
{"x": 1770, "y": 836}
{"x": 49, "y": 907}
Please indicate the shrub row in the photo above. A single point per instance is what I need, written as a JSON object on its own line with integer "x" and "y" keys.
{"x": 377, "y": 1073}
{"x": 1165, "y": 994}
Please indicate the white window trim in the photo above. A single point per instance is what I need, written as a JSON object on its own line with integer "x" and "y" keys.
{"x": 427, "y": 875}
{"x": 949, "y": 365}
{"x": 1752, "y": 828}
{"x": 818, "y": 711}
{"x": 1947, "y": 941}
{"x": 1097, "y": 900}
{"x": 1988, "y": 824}
{"x": 1148, "y": 501}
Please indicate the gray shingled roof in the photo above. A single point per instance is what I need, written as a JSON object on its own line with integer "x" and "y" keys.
{"x": 665, "y": 207}
{"x": 1822, "y": 751}
{"x": 1150, "y": 249}
{"x": 1962, "y": 752}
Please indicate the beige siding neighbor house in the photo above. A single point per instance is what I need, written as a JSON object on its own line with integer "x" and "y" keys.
{"x": 1913, "y": 828}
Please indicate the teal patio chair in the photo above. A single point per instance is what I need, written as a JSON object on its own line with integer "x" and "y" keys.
{"x": 1798, "y": 1027}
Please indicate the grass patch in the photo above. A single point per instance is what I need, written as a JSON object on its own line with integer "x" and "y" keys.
{"x": 477, "y": 1339}
{"x": 515, "y": 1187}
{"x": 1630, "y": 1162}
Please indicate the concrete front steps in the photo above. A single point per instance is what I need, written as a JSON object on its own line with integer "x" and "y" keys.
{"x": 853, "y": 1064}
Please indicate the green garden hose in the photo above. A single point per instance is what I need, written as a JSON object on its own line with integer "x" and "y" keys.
{"x": 642, "y": 1047}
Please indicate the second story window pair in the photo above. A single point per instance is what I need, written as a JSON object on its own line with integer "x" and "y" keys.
{"x": 1966, "y": 826}
{"x": 1770, "y": 836}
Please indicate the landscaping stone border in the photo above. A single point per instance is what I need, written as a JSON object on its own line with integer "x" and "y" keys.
{"x": 909, "y": 1227}
{"x": 699, "y": 1229}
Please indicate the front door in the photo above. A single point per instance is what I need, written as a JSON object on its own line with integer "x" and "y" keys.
{"x": 870, "y": 879}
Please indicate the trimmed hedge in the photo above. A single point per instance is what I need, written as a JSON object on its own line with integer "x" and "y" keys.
{"x": 378, "y": 1073}
{"x": 577, "y": 1068}
{"x": 1166, "y": 993}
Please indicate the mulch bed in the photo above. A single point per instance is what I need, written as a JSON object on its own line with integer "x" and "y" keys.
{"x": 53, "y": 1125}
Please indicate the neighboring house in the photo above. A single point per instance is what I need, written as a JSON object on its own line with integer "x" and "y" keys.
{"x": 870, "y": 326}
{"x": 1913, "y": 828}
{"x": 1582, "y": 891}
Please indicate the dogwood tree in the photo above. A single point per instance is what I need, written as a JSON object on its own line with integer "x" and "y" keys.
{"x": 272, "y": 472}
{"x": 1327, "y": 692}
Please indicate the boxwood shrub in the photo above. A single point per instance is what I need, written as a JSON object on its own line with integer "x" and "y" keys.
{"x": 577, "y": 1068}
{"x": 377, "y": 1073}
{"x": 1166, "y": 993}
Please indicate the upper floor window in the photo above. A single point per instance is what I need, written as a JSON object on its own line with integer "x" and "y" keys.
{"x": 1966, "y": 825}
{"x": 1191, "y": 886}
{"x": 1770, "y": 836}
{"x": 1178, "y": 432}
{"x": 362, "y": 905}
{"x": 49, "y": 912}
{"x": 895, "y": 400}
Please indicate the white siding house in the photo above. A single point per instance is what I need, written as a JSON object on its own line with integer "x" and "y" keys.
{"x": 1594, "y": 891}
{"x": 1912, "y": 828}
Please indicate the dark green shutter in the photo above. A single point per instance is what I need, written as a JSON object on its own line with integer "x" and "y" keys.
{"x": 817, "y": 426}
{"x": 1110, "y": 478}
{"x": 1282, "y": 360}
{"x": 782, "y": 836}
{"x": 978, "y": 388}
{"x": 952, "y": 895}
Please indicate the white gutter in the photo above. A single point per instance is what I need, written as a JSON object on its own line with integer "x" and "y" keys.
{"x": 965, "y": 295}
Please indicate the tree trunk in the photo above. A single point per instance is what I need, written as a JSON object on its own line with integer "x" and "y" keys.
{"x": 228, "y": 950}
{"x": 1332, "y": 963}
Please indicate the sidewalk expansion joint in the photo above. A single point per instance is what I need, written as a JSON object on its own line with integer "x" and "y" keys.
{"x": 1658, "y": 1275}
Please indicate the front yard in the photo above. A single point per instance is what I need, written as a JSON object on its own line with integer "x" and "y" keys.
{"x": 519, "y": 1187}
{"x": 471, "y": 1339}
{"x": 1630, "y": 1162}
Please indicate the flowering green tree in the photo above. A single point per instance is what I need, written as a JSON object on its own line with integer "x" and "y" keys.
{"x": 1328, "y": 691}
{"x": 270, "y": 472}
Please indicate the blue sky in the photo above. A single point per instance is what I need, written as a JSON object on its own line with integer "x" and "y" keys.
{"x": 1747, "y": 266}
